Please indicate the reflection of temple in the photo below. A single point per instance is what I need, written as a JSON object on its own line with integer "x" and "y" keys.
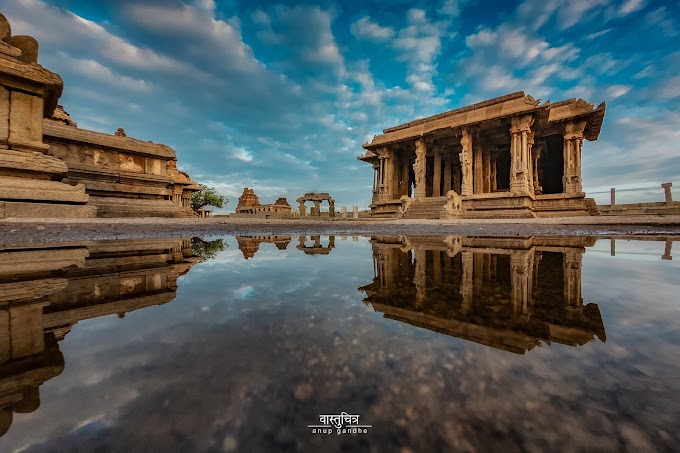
{"x": 316, "y": 248}
{"x": 249, "y": 245}
{"x": 508, "y": 293}
{"x": 45, "y": 289}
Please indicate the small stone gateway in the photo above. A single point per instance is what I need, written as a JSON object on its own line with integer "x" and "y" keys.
{"x": 317, "y": 198}
{"x": 509, "y": 157}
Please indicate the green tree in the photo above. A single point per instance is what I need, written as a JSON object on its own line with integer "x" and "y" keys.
{"x": 207, "y": 196}
{"x": 207, "y": 249}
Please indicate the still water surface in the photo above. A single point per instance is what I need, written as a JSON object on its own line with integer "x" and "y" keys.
{"x": 435, "y": 343}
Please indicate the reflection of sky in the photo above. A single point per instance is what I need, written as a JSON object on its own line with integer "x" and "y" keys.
{"x": 250, "y": 352}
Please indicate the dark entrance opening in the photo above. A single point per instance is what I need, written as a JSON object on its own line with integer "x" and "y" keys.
{"x": 411, "y": 178}
{"x": 503, "y": 170}
{"x": 429, "y": 173}
{"x": 551, "y": 165}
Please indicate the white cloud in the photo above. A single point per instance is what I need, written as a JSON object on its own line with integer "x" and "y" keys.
{"x": 598, "y": 33}
{"x": 365, "y": 29}
{"x": 616, "y": 91}
{"x": 630, "y": 6}
{"x": 451, "y": 7}
{"x": 96, "y": 71}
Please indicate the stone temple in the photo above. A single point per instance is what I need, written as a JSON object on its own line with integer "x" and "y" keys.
{"x": 49, "y": 167}
{"x": 510, "y": 156}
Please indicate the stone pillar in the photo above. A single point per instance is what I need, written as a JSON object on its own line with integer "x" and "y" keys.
{"x": 466, "y": 164}
{"x": 343, "y": 212}
{"x": 536, "y": 157}
{"x": 355, "y": 212}
{"x": 437, "y": 177}
{"x": 486, "y": 160}
{"x": 573, "y": 140}
{"x": 530, "y": 163}
{"x": 466, "y": 282}
{"x": 667, "y": 192}
{"x": 521, "y": 272}
{"x": 477, "y": 170}
{"x": 612, "y": 196}
{"x": 612, "y": 247}
{"x": 494, "y": 180}
{"x": 419, "y": 167}
{"x": 404, "y": 178}
{"x": 667, "y": 250}
{"x": 317, "y": 208}
{"x": 302, "y": 241}
{"x": 420, "y": 277}
{"x": 331, "y": 208}
{"x": 303, "y": 209}
{"x": 436, "y": 266}
{"x": 519, "y": 153}
{"x": 572, "y": 277}
{"x": 447, "y": 174}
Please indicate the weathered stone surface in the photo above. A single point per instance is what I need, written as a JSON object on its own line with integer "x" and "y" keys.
{"x": 10, "y": 209}
{"x": 28, "y": 46}
{"x": 13, "y": 188}
{"x": 281, "y": 202}
{"x": 248, "y": 199}
{"x": 20, "y": 162}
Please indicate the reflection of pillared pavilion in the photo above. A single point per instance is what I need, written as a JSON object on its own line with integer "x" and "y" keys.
{"x": 249, "y": 245}
{"x": 511, "y": 156}
{"x": 316, "y": 248}
{"x": 45, "y": 289}
{"x": 508, "y": 293}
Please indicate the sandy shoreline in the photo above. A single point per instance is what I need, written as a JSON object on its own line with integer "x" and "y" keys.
{"x": 13, "y": 231}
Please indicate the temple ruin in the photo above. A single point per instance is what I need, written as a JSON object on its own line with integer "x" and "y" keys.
{"x": 507, "y": 293}
{"x": 510, "y": 156}
{"x": 249, "y": 206}
{"x": 51, "y": 168}
{"x": 317, "y": 198}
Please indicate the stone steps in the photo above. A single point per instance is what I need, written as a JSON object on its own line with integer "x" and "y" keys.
{"x": 428, "y": 208}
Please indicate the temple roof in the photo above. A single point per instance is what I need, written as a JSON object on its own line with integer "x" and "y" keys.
{"x": 493, "y": 109}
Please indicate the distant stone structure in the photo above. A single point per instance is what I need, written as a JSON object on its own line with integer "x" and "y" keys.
{"x": 509, "y": 157}
{"x": 667, "y": 207}
{"x": 51, "y": 168}
{"x": 249, "y": 206}
{"x": 249, "y": 245}
{"x": 317, "y": 198}
{"x": 316, "y": 248}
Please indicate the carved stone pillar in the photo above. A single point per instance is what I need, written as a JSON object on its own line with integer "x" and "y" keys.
{"x": 520, "y": 172}
{"x": 419, "y": 167}
{"x": 494, "y": 179}
{"x": 466, "y": 282}
{"x": 303, "y": 209}
{"x": 536, "y": 157}
{"x": 573, "y": 260}
{"x": 466, "y": 164}
{"x": 667, "y": 250}
{"x": 521, "y": 272}
{"x": 437, "y": 177}
{"x": 573, "y": 140}
{"x": 317, "y": 208}
{"x": 447, "y": 174}
{"x": 331, "y": 208}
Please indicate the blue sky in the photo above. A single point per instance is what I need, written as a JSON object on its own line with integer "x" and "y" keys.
{"x": 279, "y": 96}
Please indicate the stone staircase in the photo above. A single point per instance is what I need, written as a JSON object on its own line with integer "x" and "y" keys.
{"x": 425, "y": 208}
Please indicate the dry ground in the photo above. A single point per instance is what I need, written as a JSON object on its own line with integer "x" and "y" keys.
{"x": 48, "y": 230}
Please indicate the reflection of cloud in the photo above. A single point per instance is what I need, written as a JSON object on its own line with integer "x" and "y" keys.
{"x": 244, "y": 292}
